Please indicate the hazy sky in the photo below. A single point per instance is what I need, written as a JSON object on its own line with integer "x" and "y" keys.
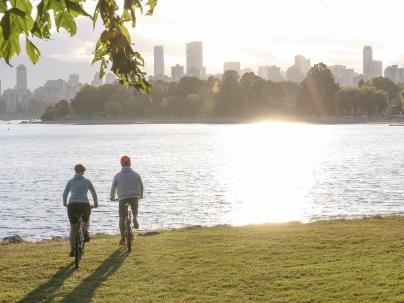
{"x": 257, "y": 32}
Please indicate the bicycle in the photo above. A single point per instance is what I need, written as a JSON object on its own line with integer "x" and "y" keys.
{"x": 78, "y": 244}
{"x": 128, "y": 228}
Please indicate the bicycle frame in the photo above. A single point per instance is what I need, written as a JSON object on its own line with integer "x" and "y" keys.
{"x": 78, "y": 245}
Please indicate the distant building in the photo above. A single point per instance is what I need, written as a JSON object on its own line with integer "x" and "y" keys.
{"x": 357, "y": 78}
{"x": 343, "y": 76}
{"x": 110, "y": 78}
{"x": 394, "y": 73}
{"x": 272, "y": 73}
{"x": 97, "y": 81}
{"x": 245, "y": 71}
{"x": 55, "y": 90}
{"x": 21, "y": 77}
{"x": 236, "y": 66}
{"x": 298, "y": 71}
{"x": 371, "y": 68}
{"x": 177, "y": 72}
{"x": 159, "y": 62}
{"x": 194, "y": 58}
{"x": 74, "y": 80}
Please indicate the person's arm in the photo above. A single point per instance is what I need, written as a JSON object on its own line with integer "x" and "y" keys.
{"x": 66, "y": 193}
{"x": 141, "y": 187}
{"x": 113, "y": 188}
{"x": 94, "y": 194}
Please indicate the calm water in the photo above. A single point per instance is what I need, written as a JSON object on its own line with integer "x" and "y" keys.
{"x": 202, "y": 174}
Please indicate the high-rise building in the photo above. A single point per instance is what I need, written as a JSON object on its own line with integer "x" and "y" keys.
{"x": 194, "y": 54}
{"x": 371, "y": 68}
{"x": 74, "y": 80}
{"x": 97, "y": 81}
{"x": 110, "y": 78}
{"x": 343, "y": 76}
{"x": 299, "y": 70}
{"x": 159, "y": 61}
{"x": 236, "y": 66}
{"x": 177, "y": 72}
{"x": 367, "y": 61}
{"x": 21, "y": 77}
{"x": 394, "y": 73}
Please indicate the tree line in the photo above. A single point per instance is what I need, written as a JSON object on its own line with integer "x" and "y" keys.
{"x": 233, "y": 97}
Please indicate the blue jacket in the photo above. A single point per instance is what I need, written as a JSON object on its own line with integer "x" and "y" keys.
{"x": 78, "y": 188}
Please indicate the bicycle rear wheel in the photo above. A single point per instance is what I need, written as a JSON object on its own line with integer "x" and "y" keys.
{"x": 128, "y": 235}
{"x": 77, "y": 248}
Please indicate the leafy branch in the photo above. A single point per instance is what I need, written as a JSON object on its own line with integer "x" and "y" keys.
{"x": 114, "y": 47}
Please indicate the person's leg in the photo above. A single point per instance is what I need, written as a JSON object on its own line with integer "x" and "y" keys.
{"x": 122, "y": 228}
{"x": 86, "y": 211}
{"x": 135, "y": 210}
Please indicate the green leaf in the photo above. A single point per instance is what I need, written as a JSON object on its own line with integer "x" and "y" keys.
{"x": 65, "y": 20}
{"x": 124, "y": 32}
{"x": 23, "y": 5}
{"x": 151, "y": 4}
{"x": 76, "y": 9}
{"x": 10, "y": 47}
{"x": 56, "y": 5}
{"x": 3, "y": 6}
{"x": 5, "y": 25}
{"x": 32, "y": 51}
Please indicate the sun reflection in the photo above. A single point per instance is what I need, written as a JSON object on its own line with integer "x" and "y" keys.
{"x": 270, "y": 170}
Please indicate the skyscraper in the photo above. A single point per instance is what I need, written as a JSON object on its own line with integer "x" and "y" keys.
{"x": 371, "y": 68}
{"x": 194, "y": 53}
{"x": 177, "y": 72}
{"x": 21, "y": 77}
{"x": 367, "y": 61}
{"x": 159, "y": 61}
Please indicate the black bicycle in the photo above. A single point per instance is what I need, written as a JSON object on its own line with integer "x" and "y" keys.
{"x": 78, "y": 245}
{"x": 128, "y": 228}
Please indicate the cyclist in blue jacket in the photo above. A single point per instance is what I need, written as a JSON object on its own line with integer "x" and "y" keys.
{"x": 79, "y": 204}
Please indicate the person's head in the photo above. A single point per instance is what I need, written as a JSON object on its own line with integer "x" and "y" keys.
{"x": 125, "y": 161}
{"x": 79, "y": 169}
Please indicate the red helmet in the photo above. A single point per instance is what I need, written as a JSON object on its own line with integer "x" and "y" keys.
{"x": 125, "y": 161}
{"x": 79, "y": 168}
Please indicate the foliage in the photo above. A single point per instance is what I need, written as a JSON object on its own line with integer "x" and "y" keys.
{"x": 59, "y": 111}
{"x": 317, "y": 92}
{"x": 360, "y": 101}
{"x": 323, "y": 262}
{"x": 19, "y": 20}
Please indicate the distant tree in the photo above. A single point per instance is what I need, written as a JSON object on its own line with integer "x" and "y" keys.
{"x": 392, "y": 90}
{"x": 87, "y": 102}
{"x": 189, "y": 86}
{"x": 62, "y": 109}
{"x": 20, "y": 22}
{"x": 49, "y": 114}
{"x": 317, "y": 92}
{"x": 230, "y": 103}
{"x": 114, "y": 108}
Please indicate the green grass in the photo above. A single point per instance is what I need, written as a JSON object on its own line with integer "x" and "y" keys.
{"x": 330, "y": 261}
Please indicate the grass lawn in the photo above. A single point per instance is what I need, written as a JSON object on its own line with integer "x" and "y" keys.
{"x": 330, "y": 261}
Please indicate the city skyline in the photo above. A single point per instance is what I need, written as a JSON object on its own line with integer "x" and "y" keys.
{"x": 324, "y": 31}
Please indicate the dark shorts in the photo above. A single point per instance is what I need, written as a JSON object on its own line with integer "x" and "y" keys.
{"x": 74, "y": 209}
{"x": 123, "y": 210}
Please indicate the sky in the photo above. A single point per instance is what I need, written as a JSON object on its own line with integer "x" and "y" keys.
{"x": 254, "y": 32}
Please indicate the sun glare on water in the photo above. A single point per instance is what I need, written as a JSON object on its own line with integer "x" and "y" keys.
{"x": 270, "y": 169}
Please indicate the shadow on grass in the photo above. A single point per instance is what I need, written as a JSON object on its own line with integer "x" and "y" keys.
{"x": 45, "y": 292}
{"x": 85, "y": 290}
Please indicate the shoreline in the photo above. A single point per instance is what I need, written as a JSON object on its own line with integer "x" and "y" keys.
{"x": 17, "y": 239}
{"x": 331, "y": 120}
